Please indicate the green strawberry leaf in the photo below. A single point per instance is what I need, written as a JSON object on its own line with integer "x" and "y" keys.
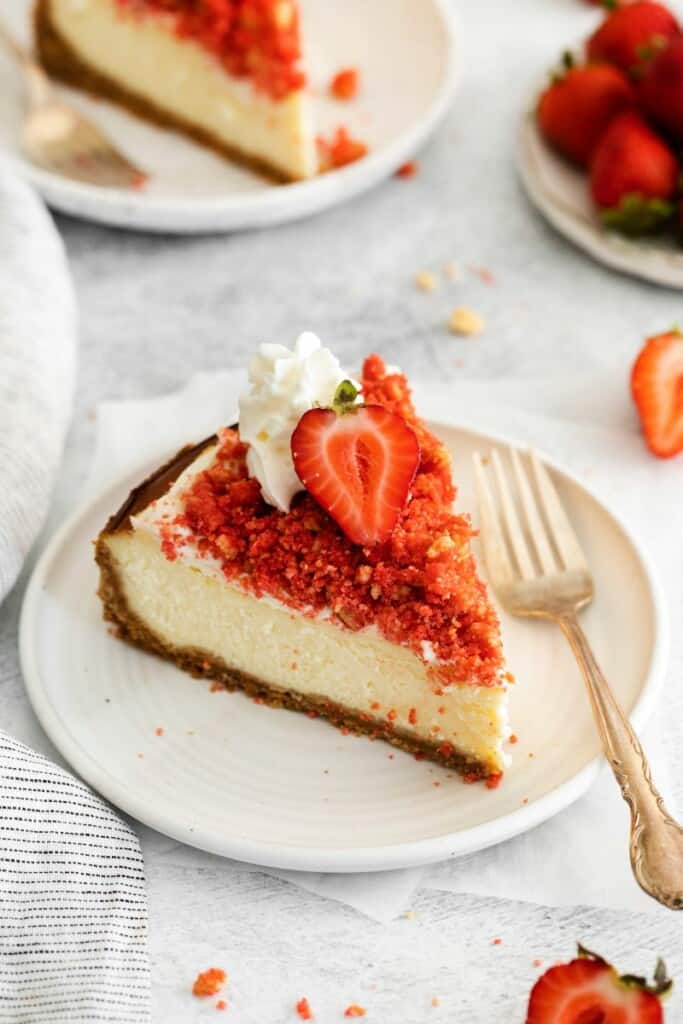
{"x": 635, "y": 215}
{"x": 345, "y": 396}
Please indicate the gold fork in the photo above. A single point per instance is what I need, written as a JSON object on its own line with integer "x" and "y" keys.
{"x": 58, "y": 139}
{"x": 551, "y": 580}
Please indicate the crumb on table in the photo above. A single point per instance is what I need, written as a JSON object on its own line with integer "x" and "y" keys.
{"x": 465, "y": 321}
{"x": 209, "y": 982}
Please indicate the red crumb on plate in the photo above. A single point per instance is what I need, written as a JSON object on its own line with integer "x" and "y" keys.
{"x": 340, "y": 150}
{"x": 513, "y": 738}
{"x": 538, "y": 963}
{"x": 354, "y": 1011}
{"x": 209, "y": 982}
{"x": 497, "y": 942}
{"x": 436, "y": 1001}
{"x": 221, "y": 1004}
{"x": 303, "y": 1008}
{"x": 159, "y": 731}
{"x": 345, "y": 84}
{"x": 408, "y": 170}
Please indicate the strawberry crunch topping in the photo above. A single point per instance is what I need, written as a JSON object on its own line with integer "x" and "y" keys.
{"x": 209, "y": 983}
{"x": 419, "y": 587}
{"x": 254, "y": 39}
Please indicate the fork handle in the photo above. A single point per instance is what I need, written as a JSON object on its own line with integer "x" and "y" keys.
{"x": 656, "y": 845}
{"x": 37, "y": 82}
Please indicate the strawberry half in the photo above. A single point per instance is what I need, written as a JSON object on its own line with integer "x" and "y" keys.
{"x": 358, "y": 462}
{"x": 588, "y": 990}
{"x": 629, "y": 32}
{"x": 657, "y": 388}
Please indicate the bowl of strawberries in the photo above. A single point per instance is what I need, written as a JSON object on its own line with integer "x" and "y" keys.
{"x": 600, "y": 152}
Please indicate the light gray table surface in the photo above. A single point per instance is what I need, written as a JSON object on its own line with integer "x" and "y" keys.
{"x": 155, "y": 309}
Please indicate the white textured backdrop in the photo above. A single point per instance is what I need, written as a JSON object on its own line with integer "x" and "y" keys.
{"x": 154, "y": 309}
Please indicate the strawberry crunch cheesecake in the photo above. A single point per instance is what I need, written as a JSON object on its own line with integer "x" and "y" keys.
{"x": 311, "y": 557}
{"x": 228, "y": 73}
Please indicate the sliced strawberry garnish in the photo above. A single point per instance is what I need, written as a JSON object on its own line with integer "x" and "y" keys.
{"x": 358, "y": 462}
{"x": 657, "y": 387}
{"x": 588, "y": 990}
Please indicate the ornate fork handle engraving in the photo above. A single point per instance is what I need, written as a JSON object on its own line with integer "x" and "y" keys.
{"x": 656, "y": 840}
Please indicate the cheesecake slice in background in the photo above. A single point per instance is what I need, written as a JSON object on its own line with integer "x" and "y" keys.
{"x": 227, "y": 73}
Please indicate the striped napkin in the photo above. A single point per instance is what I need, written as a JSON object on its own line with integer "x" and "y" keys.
{"x": 73, "y": 931}
{"x": 73, "y": 912}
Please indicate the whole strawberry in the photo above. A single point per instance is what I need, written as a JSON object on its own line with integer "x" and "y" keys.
{"x": 579, "y": 104}
{"x": 657, "y": 389}
{"x": 633, "y": 177}
{"x": 588, "y": 990}
{"x": 661, "y": 88}
{"x": 630, "y": 31}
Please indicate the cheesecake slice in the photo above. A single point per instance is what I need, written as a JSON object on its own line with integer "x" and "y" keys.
{"x": 227, "y": 73}
{"x": 396, "y": 639}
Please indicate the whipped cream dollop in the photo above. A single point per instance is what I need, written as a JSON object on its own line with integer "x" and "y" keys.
{"x": 283, "y": 385}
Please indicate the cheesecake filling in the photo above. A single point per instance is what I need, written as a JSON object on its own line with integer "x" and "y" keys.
{"x": 145, "y": 55}
{"x": 187, "y": 602}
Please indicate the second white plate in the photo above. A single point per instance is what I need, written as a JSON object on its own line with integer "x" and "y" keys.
{"x": 409, "y": 60}
{"x": 561, "y": 193}
{"x": 275, "y": 788}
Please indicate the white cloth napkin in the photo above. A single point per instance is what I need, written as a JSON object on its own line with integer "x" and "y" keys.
{"x": 37, "y": 367}
{"x": 73, "y": 941}
{"x": 581, "y": 856}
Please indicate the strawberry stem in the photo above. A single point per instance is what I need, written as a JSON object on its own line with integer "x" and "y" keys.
{"x": 345, "y": 396}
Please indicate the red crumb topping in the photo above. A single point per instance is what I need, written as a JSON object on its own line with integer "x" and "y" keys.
{"x": 419, "y": 587}
{"x": 345, "y": 84}
{"x": 303, "y": 1009}
{"x": 408, "y": 169}
{"x": 253, "y": 39}
{"x": 412, "y": 716}
{"x": 354, "y": 1011}
{"x": 493, "y": 781}
{"x": 340, "y": 150}
{"x": 209, "y": 983}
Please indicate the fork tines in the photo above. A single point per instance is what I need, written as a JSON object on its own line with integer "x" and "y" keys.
{"x": 522, "y": 505}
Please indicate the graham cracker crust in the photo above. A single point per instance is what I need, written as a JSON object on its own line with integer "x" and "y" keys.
{"x": 200, "y": 664}
{"x": 61, "y": 62}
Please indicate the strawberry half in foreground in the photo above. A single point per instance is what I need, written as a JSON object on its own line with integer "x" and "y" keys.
{"x": 588, "y": 990}
{"x": 657, "y": 388}
{"x": 358, "y": 462}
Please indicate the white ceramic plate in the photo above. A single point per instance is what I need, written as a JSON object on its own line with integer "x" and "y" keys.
{"x": 408, "y": 57}
{"x": 561, "y": 193}
{"x": 275, "y": 788}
